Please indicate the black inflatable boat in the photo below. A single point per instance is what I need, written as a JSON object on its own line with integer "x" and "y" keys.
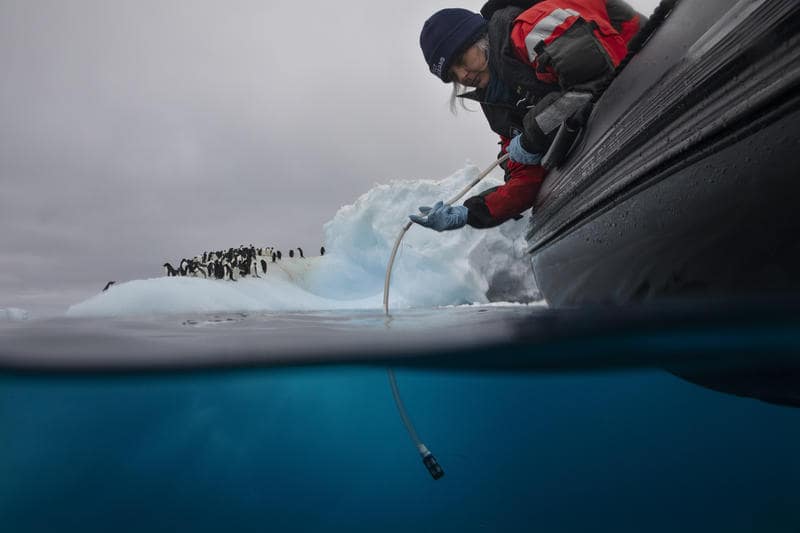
{"x": 685, "y": 181}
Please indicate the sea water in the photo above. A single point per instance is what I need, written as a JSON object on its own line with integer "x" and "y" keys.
{"x": 263, "y": 405}
{"x": 324, "y": 450}
{"x": 264, "y": 447}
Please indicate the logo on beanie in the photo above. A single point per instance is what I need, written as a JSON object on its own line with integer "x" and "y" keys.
{"x": 437, "y": 68}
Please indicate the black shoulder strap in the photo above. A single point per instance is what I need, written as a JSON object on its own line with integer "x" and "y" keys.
{"x": 518, "y": 76}
{"x": 491, "y": 6}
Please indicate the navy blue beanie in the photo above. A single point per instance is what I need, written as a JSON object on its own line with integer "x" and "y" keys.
{"x": 447, "y": 33}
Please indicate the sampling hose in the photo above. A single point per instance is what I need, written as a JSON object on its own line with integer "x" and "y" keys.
{"x": 428, "y": 458}
{"x": 408, "y": 224}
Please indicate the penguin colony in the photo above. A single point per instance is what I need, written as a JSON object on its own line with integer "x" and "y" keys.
{"x": 232, "y": 264}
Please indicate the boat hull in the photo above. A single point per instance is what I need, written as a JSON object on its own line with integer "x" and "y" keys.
{"x": 686, "y": 181}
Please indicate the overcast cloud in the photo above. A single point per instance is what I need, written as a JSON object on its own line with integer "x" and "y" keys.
{"x": 134, "y": 132}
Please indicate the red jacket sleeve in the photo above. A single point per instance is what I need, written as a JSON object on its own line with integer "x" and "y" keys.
{"x": 498, "y": 204}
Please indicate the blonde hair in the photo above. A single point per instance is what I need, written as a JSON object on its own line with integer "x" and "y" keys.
{"x": 458, "y": 89}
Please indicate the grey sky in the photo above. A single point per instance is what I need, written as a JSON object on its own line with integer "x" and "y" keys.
{"x": 134, "y": 132}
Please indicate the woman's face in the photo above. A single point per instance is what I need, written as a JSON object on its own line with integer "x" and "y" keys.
{"x": 472, "y": 68}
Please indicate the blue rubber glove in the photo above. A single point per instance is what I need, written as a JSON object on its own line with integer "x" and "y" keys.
{"x": 441, "y": 217}
{"x": 517, "y": 153}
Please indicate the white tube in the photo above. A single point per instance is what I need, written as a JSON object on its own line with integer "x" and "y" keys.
{"x": 402, "y": 409}
{"x": 464, "y": 191}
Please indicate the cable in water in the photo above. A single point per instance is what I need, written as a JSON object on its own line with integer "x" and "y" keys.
{"x": 428, "y": 458}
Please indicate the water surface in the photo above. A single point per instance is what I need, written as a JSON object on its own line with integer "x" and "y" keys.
{"x": 601, "y": 443}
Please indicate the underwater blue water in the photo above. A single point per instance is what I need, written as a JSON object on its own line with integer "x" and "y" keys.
{"x": 324, "y": 450}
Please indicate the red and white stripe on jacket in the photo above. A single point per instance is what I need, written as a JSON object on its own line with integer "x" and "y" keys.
{"x": 548, "y": 20}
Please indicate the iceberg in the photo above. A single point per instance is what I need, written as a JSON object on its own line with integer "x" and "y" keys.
{"x": 466, "y": 266}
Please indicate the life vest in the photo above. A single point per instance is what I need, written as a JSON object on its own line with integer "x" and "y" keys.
{"x": 563, "y": 31}
{"x": 579, "y": 42}
{"x": 568, "y": 31}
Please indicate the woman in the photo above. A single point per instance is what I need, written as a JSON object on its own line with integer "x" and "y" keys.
{"x": 530, "y": 65}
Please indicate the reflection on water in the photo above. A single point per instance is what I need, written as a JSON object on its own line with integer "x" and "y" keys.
{"x": 215, "y": 320}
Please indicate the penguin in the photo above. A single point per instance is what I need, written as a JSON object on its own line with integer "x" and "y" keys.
{"x": 244, "y": 268}
{"x": 280, "y": 255}
{"x": 228, "y": 271}
{"x": 321, "y": 250}
{"x": 300, "y": 250}
{"x": 196, "y": 268}
{"x": 291, "y": 253}
{"x": 263, "y": 266}
{"x": 219, "y": 272}
{"x": 171, "y": 272}
{"x": 110, "y": 283}
{"x": 274, "y": 257}
{"x": 254, "y": 268}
